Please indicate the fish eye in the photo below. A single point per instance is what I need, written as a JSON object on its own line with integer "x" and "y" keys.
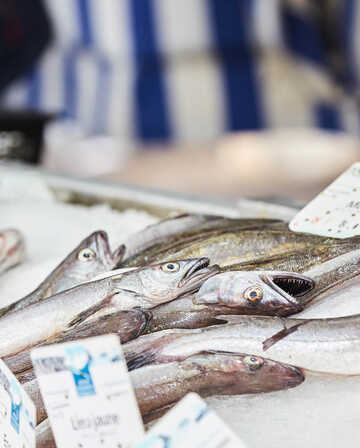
{"x": 253, "y": 294}
{"x": 86, "y": 254}
{"x": 170, "y": 267}
{"x": 253, "y": 362}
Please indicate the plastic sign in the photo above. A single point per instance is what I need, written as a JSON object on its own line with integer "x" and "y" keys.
{"x": 88, "y": 395}
{"x": 191, "y": 423}
{"x": 17, "y": 412}
{"x": 335, "y": 212}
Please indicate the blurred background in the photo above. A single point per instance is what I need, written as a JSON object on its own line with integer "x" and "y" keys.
{"x": 235, "y": 98}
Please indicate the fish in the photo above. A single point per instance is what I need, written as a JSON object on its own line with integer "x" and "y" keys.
{"x": 44, "y": 435}
{"x": 313, "y": 284}
{"x": 161, "y": 232}
{"x": 295, "y": 261}
{"x": 173, "y": 234}
{"x": 234, "y": 246}
{"x": 91, "y": 257}
{"x": 223, "y": 294}
{"x": 333, "y": 275}
{"x": 274, "y": 293}
{"x": 260, "y": 292}
{"x": 12, "y": 248}
{"x": 157, "y": 387}
{"x": 127, "y": 325}
{"x": 160, "y": 386}
{"x": 144, "y": 287}
{"x": 321, "y": 345}
{"x": 324, "y": 408}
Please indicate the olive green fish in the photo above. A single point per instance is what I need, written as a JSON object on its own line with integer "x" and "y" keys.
{"x": 176, "y": 235}
{"x": 273, "y": 247}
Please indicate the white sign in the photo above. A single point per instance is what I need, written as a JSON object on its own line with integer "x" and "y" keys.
{"x": 88, "y": 394}
{"x": 17, "y": 412}
{"x": 192, "y": 424}
{"x": 335, "y": 212}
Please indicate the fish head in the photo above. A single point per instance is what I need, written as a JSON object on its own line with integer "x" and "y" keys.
{"x": 269, "y": 375}
{"x": 12, "y": 248}
{"x": 248, "y": 373}
{"x": 256, "y": 292}
{"x": 91, "y": 257}
{"x": 166, "y": 281}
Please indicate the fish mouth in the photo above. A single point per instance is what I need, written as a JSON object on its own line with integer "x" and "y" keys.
{"x": 198, "y": 272}
{"x": 296, "y": 378}
{"x": 118, "y": 255}
{"x": 290, "y": 285}
{"x": 103, "y": 248}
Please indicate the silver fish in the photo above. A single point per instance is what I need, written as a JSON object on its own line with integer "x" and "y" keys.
{"x": 145, "y": 287}
{"x": 265, "y": 293}
{"x": 160, "y": 386}
{"x": 256, "y": 292}
{"x": 323, "y": 345}
{"x": 12, "y": 248}
{"x": 91, "y": 257}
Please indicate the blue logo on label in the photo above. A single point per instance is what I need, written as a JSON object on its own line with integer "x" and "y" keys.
{"x": 77, "y": 361}
{"x": 16, "y": 402}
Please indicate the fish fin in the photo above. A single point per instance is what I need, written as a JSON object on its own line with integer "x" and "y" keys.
{"x": 128, "y": 291}
{"x": 221, "y": 352}
{"x": 218, "y": 321}
{"x": 279, "y": 336}
{"x": 81, "y": 317}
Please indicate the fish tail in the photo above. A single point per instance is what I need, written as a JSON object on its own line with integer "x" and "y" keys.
{"x": 150, "y": 349}
{"x": 135, "y": 360}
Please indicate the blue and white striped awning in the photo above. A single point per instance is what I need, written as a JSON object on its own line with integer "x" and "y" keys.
{"x": 189, "y": 70}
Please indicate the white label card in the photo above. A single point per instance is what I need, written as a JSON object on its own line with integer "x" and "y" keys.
{"x": 335, "y": 212}
{"x": 88, "y": 395}
{"x": 191, "y": 423}
{"x": 17, "y": 412}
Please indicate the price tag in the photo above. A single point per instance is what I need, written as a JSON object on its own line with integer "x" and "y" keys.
{"x": 17, "y": 412}
{"x": 191, "y": 424}
{"x": 335, "y": 212}
{"x": 88, "y": 395}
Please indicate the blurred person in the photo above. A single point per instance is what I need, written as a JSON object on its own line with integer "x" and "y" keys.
{"x": 25, "y": 31}
{"x": 183, "y": 71}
